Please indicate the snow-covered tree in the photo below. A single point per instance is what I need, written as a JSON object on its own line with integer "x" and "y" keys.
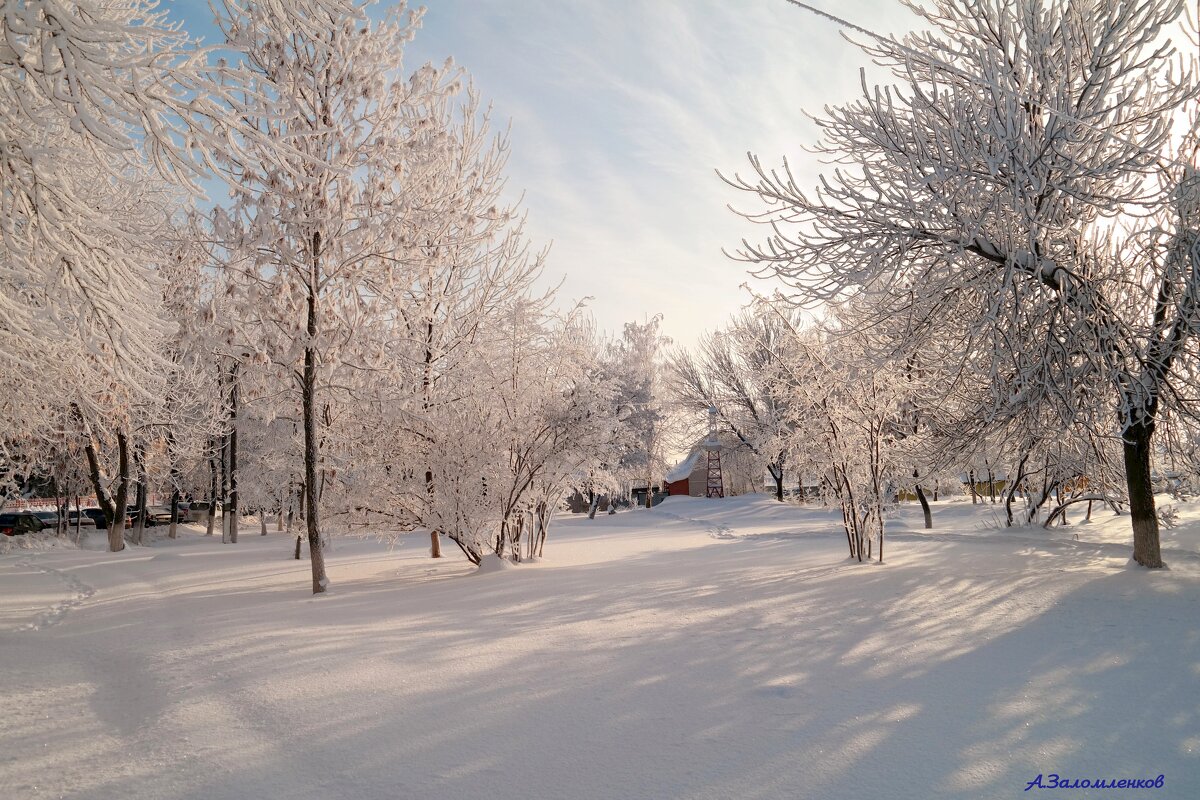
{"x": 1015, "y": 197}
{"x": 314, "y": 232}
{"x": 642, "y": 396}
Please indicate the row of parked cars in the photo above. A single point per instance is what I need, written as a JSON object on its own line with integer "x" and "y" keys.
{"x": 16, "y": 523}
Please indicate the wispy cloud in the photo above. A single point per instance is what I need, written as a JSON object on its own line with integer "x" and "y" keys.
{"x": 621, "y": 112}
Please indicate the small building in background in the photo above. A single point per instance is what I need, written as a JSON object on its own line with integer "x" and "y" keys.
{"x": 689, "y": 478}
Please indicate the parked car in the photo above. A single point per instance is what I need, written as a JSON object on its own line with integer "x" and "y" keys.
{"x": 159, "y": 515}
{"x": 19, "y": 523}
{"x": 97, "y": 517}
{"x": 155, "y": 515}
{"x": 197, "y": 511}
{"x": 49, "y": 518}
{"x": 80, "y": 519}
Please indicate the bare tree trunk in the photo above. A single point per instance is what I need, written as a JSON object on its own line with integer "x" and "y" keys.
{"x": 924, "y": 510}
{"x": 116, "y": 527}
{"x": 308, "y": 393}
{"x": 971, "y": 478}
{"x": 435, "y": 542}
{"x": 1012, "y": 491}
{"x": 224, "y": 467}
{"x": 777, "y": 475}
{"x": 176, "y": 482}
{"x": 544, "y": 516}
{"x": 60, "y": 505}
{"x": 232, "y": 505}
{"x": 212, "y": 491}
{"x": 116, "y": 532}
{"x": 173, "y": 530}
{"x": 294, "y": 501}
{"x": 139, "y": 522}
{"x": 1141, "y": 495}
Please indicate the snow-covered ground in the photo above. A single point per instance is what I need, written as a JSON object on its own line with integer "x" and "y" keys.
{"x": 704, "y": 649}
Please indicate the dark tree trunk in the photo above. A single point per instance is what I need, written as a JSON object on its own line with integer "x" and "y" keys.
{"x": 924, "y": 510}
{"x": 114, "y": 520}
{"x": 114, "y": 508}
{"x": 777, "y": 475}
{"x": 139, "y": 522}
{"x": 116, "y": 529}
{"x": 435, "y": 542}
{"x": 212, "y": 491}
{"x": 1012, "y": 491}
{"x": 224, "y": 467}
{"x": 175, "y": 481}
{"x": 308, "y": 392}
{"x": 1141, "y": 495}
{"x": 232, "y": 503}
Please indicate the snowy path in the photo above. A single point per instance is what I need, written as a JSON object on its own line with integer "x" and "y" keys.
{"x": 46, "y": 608}
{"x": 638, "y": 661}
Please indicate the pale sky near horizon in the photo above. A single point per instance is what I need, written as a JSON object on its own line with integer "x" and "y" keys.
{"x": 620, "y": 114}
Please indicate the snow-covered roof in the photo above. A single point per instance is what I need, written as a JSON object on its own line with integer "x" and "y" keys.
{"x": 684, "y": 468}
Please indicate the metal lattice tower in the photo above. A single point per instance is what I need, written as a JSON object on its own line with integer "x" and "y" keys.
{"x": 716, "y": 485}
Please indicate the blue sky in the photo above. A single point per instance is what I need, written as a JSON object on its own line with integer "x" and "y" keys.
{"x": 620, "y": 112}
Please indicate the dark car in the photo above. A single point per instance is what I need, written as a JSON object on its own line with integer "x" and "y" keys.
{"x": 155, "y": 515}
{"x": 81, "y": 519}
{"x": 161, "y": 515}
{"x": 96, "y": 515}
{"x": 19, "y": 523}
{"x": 49, "y": 518}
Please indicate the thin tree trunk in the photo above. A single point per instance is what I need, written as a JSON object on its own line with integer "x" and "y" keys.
{"x": 435, "y": 542}
{"x": 924, "y": 510}
{"x": 1141, "y": 495}
{"x": 234, "y": 510}
{"x": 308, "y": 392}
{"x": 139, "y": 522}
{"x": 212, "y": 490}
{"x": 60, "y": 506}
{"x": 114, "y": 509}
{"x": 173, "y": 530}
{"x": 176, "y": 482}
{"x": 224, "y": 467}
{"x": 777, "y": 475}
{"x": 1012, "y": 491}
{"x": 116, "y": 527}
